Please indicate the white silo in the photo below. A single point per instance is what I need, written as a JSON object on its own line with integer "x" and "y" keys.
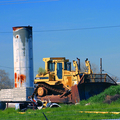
{"x": 23, "y": 56}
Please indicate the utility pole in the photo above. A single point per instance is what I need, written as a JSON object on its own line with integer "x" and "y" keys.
{"x": 100, "y": 65}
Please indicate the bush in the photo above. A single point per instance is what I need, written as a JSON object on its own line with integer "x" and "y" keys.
{"x": 41, "y": 71}
{"x": 112, "y": 90}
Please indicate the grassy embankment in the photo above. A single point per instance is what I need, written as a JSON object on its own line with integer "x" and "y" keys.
{"x": 72, "y": 112}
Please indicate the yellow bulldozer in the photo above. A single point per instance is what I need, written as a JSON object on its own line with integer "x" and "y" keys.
{"x": 58, "y": 76}
{"x": 58, "y": 83}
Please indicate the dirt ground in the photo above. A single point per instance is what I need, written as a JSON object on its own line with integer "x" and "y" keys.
{"x": 109, "y": 99}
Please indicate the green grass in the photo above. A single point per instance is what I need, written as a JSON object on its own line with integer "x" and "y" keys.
{"x": 67, "y": 112}
{"x": 71, "y": 112}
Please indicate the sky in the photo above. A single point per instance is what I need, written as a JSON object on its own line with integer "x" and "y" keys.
{"x": 64, "y": 28}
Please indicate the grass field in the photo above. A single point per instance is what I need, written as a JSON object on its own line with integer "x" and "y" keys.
{"x": 72, "y": 112}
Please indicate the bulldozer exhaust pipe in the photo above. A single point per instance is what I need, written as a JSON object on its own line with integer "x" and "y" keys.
{"x": 78, "y": 63}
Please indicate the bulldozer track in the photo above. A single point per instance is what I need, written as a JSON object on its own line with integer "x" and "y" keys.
{"x": 47, "y": 87}
{"x": 51, "y": 88}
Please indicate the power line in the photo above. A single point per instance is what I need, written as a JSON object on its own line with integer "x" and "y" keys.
{"x": 13, "y": 68}
{"x": 6, "y": 32}
{"x": 19, "y": 2}
{"x": 12, "y": 1}
{"x": 73, "y": 29}
{"x": 6, "y": 67}
{"x": 79, "y": 29}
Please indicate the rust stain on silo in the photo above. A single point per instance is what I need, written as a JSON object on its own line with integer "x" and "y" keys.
{"x": 22, "y": 77}
{"x": 15, "y": 80}
{"x": 17, "y": 28}
{"x": 15, "y": 77}
{"x": 15, "y": 85}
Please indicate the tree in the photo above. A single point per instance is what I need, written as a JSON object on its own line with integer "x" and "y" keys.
{"x": 83, "y": 68}
{"x": 5, "y": 81}
{"x": 94, "y": 68}
{"x": 115, "y": 78}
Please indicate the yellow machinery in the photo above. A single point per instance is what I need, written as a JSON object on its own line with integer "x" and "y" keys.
{"x": 60, "y": 84}
{"x": 58, "y": 76}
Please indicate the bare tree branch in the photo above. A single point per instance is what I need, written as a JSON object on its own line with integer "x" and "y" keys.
{"x": 5, "y": 81}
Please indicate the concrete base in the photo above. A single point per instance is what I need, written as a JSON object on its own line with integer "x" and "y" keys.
{"x": 16, "y": 94}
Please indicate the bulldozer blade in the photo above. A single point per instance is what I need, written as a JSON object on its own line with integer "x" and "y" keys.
{"x": 75, "y": 98}
{"x": 68, "y": 97}
{"x": 86, "y": 90}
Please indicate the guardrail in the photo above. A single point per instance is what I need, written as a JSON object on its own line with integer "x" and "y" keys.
{"x": 88, "y": 78}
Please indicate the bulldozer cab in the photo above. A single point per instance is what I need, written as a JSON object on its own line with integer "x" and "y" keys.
{"x": 57, "y": 66}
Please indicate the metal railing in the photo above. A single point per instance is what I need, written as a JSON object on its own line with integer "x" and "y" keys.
{"x": 88, "y": 78}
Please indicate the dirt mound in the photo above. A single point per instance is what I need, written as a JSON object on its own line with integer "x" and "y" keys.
{"x": 109, "y": 99}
